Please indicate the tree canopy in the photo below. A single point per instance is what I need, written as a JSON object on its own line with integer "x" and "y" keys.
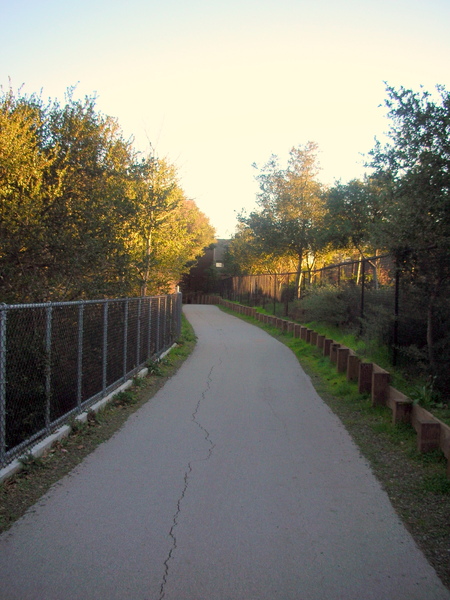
{"x": 82, "y": 214}
{"x": 290, "y": 207}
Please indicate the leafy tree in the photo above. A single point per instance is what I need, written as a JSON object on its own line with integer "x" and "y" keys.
{"x": 354, "y": 217}
{"x": 415, "y": 166}
{"x": 87, "y": 218}
{"x": 24, "y": 166}
{"x": 179, "y": 240}
{"x": 246, "y": 256}
{"x": 291, "y": 207}
{"x": 81, "y": 216}
{"x": 157, "y": 195}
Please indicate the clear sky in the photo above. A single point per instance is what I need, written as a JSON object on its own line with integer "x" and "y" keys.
{"x": 216, "y": 85}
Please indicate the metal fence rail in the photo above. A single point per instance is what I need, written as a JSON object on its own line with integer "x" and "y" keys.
{"x": 263, "y": 289}
{"x": 58, "y": 358}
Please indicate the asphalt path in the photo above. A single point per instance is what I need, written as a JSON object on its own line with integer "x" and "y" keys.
{"x": 235, "y": 482}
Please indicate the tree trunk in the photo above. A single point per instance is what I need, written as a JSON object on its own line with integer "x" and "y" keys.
{"x": 298, "y": 274}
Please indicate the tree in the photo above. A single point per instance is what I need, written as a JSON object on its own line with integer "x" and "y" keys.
{"x": 291, "y": 207}
{"x": 157, "y": 195}
{"x": 87, "y": 218}
{"x": 24, "y": 168}
{"x": 415, "y": 166}
{"x": 81, "y": 215}
{"x": 179, "y": 240}
{"x": 354, "y": 217}
{"x": 246, "y": 256}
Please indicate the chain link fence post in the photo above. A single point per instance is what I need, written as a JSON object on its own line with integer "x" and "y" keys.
{"x": 158, "y": 317}
{"x": 138, "y": 336}
{"x": 3, "y": 322}
{"x": 48, "y": 364}
{"x": 125, "y": 338}
{"x": 80, "y": 356}
{"x": 105, "y": 347}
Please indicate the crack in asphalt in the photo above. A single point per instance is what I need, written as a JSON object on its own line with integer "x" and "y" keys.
{"x": 188, "y": 471}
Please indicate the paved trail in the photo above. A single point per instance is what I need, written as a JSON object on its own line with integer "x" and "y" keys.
{"x": 235, "y": 482}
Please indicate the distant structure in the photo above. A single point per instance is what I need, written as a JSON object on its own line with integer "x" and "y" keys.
{"x": 204, "y": 275}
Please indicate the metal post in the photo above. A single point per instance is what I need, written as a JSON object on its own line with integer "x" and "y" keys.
{"x": 149, "y": 339}
{"x": 48, "y": 365}
{"x": 286, "y": 306}
{"x": 125, "y": 339}
{"x": 275, "y": 294}
{"x": 396, "y": 314}
{"x": 80, "y": 356}
{"x": 158, "y": 315}
{"x": 363, "y": 280}
{"x": 165, "y": 324}
{"x": 105, "y": 347}
{"x": 3, "y": 319}
{"x": 180, "y": 311}
{"x": 138, "y": 341}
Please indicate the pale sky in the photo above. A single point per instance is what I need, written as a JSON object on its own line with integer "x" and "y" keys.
{"x": 215, "y": 86}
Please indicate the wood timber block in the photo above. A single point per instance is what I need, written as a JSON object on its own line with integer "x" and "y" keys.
{"x": 308, "y": 335}
{"x": 333, "y": 352}
{"x": 353, "y": 363}
{"x": 400, "y": 405}
{"x": 326, "y": 346}
{"x": 428, "y": 429}
{"x": 297, "y": 328}
{"x": 380, "y": 386}
{"x": 320, "y": 340}
{"x": 365, "y": 378}
{"x": 303, "y": 331}
{"x": 313, "y": 339}
{"x": 342, "y": 359}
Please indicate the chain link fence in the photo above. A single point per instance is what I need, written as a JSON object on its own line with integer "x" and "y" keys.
{"x": 276, "y": 288}
{"x": 57, "y": 359}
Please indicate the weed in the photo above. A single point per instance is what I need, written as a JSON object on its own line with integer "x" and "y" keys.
{"x": 426, "y": 395}
{"x": 125, "y": 398}
{"x": 94, "y": 417}
{"x": 29, "y": 461}
{"x": 154, "y": 368}
{"x": 437, "y": 484}
{"x": 77, "y": 426}
{"x": 138, "y": 382}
